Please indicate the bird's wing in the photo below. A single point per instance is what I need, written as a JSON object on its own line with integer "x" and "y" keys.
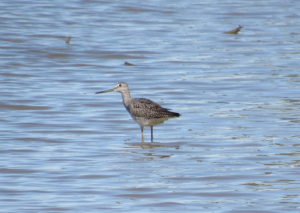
{"x": 142, "y": 107}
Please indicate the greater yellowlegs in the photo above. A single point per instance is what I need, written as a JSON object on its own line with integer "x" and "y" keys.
{"x": 144, "y": 111}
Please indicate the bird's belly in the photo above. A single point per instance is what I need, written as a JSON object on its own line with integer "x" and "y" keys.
{"x": 149, "y": 121}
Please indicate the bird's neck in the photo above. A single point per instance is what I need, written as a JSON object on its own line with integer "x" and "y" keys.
{"x": 126, "y": 98}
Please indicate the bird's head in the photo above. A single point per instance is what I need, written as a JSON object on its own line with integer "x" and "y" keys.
{"x": 121, "y": 87}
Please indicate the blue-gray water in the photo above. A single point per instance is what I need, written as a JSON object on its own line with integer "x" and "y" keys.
{"x": 236, "y": 147}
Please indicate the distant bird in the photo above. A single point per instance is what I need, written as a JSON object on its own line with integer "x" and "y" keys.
{"x": 68, "y": 39}
{"x": 126, "y": 63}
{"x": 144, "y": 111}
{"x": 235, "y": 30}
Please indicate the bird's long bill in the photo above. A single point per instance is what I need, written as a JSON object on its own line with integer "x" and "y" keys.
{"x": 104, "y": 91}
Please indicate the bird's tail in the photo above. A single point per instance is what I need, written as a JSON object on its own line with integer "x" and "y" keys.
{"x": 175, "y": 114}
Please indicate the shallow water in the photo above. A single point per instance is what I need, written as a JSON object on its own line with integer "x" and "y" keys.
{"x": 234, "y": 149}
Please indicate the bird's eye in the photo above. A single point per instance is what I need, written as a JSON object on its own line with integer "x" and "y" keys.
{"x": 119, "y": 85}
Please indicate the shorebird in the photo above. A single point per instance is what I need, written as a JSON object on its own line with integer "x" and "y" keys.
{"x": 144, "y": 111}
{"x": 235, "y": 30}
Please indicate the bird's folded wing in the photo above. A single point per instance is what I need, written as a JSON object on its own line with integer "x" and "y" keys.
{"x": 142, "y": 107}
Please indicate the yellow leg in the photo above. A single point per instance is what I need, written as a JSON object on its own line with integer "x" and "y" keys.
{"x": 142, "y": 130}
{"x": 151, "y": 134}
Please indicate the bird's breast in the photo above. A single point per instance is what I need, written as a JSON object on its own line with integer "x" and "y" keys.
{"x": 149, "y": 121}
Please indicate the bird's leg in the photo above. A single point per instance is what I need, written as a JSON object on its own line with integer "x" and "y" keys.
{"x": 151, "y": 134}
{"x": 142, "y": 131}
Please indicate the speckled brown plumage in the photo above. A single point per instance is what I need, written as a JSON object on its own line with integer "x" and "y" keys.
{"x": 142, "y": 107}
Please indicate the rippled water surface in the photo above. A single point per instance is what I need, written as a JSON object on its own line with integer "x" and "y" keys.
{"x": 236, "y": 147}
